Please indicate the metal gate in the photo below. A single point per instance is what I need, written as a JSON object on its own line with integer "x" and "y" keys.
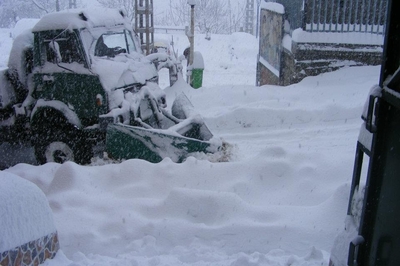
{"x": 345, "y": 15}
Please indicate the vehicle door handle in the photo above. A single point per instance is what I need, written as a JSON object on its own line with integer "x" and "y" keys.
{"x": 353, "y": 250}
{"x": 372, "y": 107}
{"x": 48, "y": 79}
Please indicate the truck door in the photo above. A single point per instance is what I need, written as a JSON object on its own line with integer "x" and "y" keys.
{"x": 65, "y": 76}
{"x": 380, "y": 222}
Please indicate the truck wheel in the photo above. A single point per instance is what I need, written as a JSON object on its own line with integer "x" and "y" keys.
{"x": 58, "y": 152}
{"x": 61, "y": 147}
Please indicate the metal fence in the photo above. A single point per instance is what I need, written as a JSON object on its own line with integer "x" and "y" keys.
{"x": 345, "y": 16}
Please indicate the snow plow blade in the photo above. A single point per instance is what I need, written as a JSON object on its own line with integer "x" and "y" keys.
{"x": 153, "y": 145}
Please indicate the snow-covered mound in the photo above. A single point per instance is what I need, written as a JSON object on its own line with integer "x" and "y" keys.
{"x": 5, "y": 47}
{"x": 22, "y": 25}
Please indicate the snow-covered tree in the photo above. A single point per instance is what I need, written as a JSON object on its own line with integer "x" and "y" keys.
{"x": 128, "y": 6}
{"x": 48, "y": 6}
{"x": 210, "y": 16}
{"x": 236, "y": 16}
{"x": 13, "y": 10}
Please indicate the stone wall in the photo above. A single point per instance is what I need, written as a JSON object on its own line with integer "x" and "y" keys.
{"x": 311, "y": 59}
{"x": 32, "y": 253}
{"x": 266, "y": 76}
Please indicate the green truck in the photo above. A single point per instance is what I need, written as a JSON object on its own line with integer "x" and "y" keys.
{"x": 78, "y": 84}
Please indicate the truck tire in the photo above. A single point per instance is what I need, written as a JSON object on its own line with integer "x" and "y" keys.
{"x": 62, "y": 145}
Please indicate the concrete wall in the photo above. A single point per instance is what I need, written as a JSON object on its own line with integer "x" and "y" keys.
{"x": 270, "y": 51}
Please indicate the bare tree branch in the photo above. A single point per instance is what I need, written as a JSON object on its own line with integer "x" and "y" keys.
{"x": 128, "y": 6}
{"x": 210, "y": 16}
{"x": 39, "y": 6}
{"x": 13, "y": 10}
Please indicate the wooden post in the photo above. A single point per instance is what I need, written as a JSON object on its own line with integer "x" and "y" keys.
{"x": 191, "y": 35}
{"x": 144, "y": 24}
{"x": 57, "y": 5}
{"x": 72, "y": 4}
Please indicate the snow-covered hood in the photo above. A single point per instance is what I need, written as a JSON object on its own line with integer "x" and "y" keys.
{"x": 123, "y": 70}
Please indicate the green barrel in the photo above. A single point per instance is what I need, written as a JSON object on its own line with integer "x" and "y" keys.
{"x": 197, "y": 78}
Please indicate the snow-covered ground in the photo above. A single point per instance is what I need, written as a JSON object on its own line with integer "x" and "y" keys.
{"x": 280, "y": 200}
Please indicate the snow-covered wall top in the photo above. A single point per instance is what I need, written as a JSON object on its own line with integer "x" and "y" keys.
{"x": 25, "y": 212}
{"x": 78, "y": 18}
{"x": 275, "y": 7}
{"x": 362, "y": 38}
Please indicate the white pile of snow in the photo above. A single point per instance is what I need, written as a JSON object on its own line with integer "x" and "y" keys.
{"x": 22, "y": 25}
{"x": 5, "y": 47}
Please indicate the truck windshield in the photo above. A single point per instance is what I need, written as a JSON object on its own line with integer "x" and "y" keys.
{"x": 114, "y": 43}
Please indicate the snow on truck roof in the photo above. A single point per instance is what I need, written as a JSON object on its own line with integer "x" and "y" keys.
{"x": 81, "y": 18}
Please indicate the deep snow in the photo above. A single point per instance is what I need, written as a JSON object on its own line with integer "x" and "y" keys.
{"x": 281, "y": 199}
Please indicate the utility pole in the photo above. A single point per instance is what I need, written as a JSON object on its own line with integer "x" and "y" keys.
{"x": 57, "y": 5}
{"x": 144, "y": 24}
{"x": 72, "y": 4}
{"x": 258, "y": 18}
{"x": 190, "y": 36}
{"x": 249, "y": 23}
{"x": 191, "y": 33}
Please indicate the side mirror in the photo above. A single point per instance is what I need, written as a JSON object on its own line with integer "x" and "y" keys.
{"x": 145, "y": 109}
{"x": 55, "y": 48}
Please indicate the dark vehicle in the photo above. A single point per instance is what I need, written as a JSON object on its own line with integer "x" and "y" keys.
{"x": 79, "y": 82}
{"x": 372, "y": 233}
